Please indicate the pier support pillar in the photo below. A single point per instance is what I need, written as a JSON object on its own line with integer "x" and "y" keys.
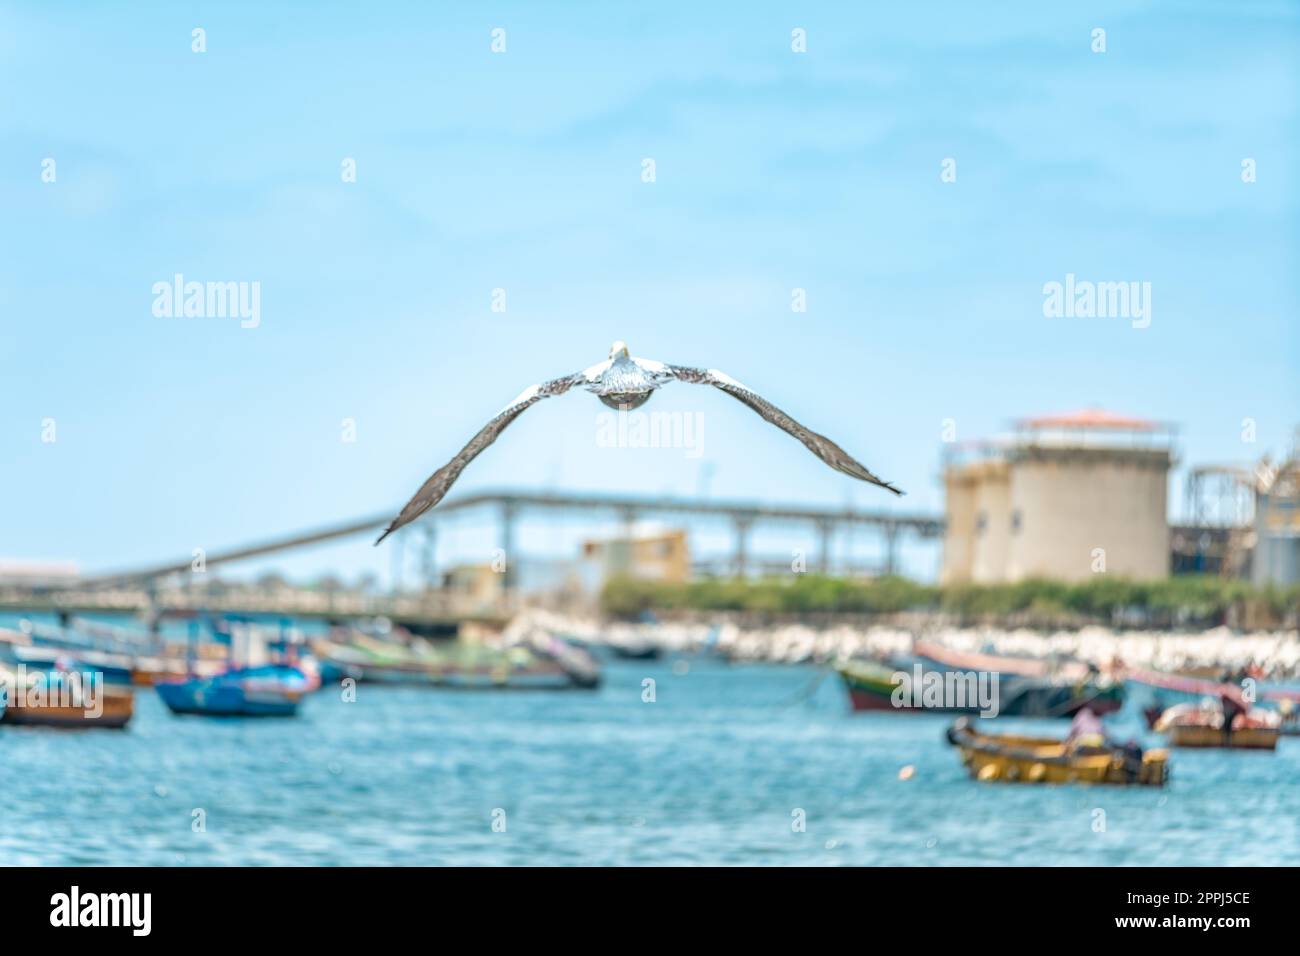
{"x": 741, "y": 562}
{"x": 824, "y": 531}
{"x": 429, "y": 555}
{"x": 508, "y": 574}
{"x": 397, "y": 561}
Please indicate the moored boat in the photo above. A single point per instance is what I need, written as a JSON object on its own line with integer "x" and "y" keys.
{"x": 1036, "y": 688}
{"x": 112, "y": 669}
{"x": 1167, "y": 690}
{"x": 874, "y": 685}
{"x": 63, "y": 698}
{"x": 1018, "y": 759}
{"x": 1204, "y": 725}
{"x": 267, "y": 690}
{"x": 550, "y": 664}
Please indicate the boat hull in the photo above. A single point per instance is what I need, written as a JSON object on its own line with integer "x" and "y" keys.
{"x": 1243, "y": 738}
{"x": 269, "y": 691}
{"x": 463, "y": 678}
{"x": 1057, "y": 700}
{"x": 1014, "y": 759}
{"x": 116, "y": 712}
{"x": 871, "y": 688}
{"x": 231, "y": 701}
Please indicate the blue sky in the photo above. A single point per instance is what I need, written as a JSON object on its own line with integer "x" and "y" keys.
{"x": 522, "y": 171}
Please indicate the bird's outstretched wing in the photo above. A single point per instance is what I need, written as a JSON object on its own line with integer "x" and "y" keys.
{"x": 819, "y": 445}
{"x": 433, "y": 490}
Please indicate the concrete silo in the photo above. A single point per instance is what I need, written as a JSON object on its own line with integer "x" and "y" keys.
{"x": 1068, "y": 496}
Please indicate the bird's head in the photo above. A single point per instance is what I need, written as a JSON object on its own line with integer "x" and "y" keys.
{"x": 618, "y": 350}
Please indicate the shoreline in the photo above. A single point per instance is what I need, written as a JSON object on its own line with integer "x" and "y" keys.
{"x": 1277, "y": 652}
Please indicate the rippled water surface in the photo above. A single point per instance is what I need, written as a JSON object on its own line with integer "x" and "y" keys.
{"x": 711, "y": 772}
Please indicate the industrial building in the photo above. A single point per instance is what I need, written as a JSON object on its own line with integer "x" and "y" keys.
{"x": 1275, "y": 558}
{"x": 1243, "y": 520}
{"x": 1065, "y": 497}
{"x": 648, "y": 553}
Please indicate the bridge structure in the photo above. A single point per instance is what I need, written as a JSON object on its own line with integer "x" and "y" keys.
{"x": 162, "y": 584}
{"x": 511, "y": 506}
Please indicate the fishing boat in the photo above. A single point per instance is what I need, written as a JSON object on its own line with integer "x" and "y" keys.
{"x": 645, "y": 651}
{"x": 548, "y": 664}
{"x": 35, "y": 653}
{"x": 1203, "y": 725}
{"x": 111, "y": 671}
{"x": 266, "y": 690}
{"x": 63, "y": 698}
{"x": 874, "y": 685}
{"x": 113, "y": 651}
{"x": 1166, "y": 690}
{"x": 1016, "y": 759}
{"x": 1037, "y": 688}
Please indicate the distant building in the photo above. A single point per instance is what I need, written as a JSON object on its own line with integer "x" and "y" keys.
{"x": 1276, "y": 558}
{"x": 1065, "y": 497}
{"x": 648, "y": 553}
{"x": 474, "y": 583}
{"x": 1243, "y": 520}
{"x": 484, "y": 585}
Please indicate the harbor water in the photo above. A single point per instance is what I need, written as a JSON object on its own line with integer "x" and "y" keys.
{"x": 721, "y": 767}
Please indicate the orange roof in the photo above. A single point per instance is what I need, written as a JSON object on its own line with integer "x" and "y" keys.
{"x": 1090, "y": 418}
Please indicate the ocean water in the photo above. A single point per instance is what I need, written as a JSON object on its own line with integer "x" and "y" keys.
{"x": 714, "y": 771}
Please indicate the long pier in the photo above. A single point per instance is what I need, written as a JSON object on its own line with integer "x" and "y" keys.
{"x": 512, "y": 505}
{"x": 172, "y": 587}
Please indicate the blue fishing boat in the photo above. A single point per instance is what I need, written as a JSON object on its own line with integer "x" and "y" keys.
{"x": 267, "y": 690}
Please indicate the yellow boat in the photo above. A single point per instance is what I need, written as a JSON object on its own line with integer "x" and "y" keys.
{"x": 1015, "y": 759}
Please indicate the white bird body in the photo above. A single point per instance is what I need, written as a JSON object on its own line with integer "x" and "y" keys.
{"x": 624, "y": 382}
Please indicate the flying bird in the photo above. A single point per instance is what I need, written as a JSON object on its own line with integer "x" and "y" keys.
{"x": 624, "y": 382}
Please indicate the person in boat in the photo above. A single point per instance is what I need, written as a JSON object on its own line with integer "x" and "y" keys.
{"x": 1233, "y": 705}
{"x": 1086, "y": 730}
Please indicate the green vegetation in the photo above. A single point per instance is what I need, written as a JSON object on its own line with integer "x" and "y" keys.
{"x": 1179, "y": 600}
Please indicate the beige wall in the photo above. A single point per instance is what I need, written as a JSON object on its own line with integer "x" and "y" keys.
{"x": 959, "y": 526}
{"x": 477, "y": 582}
{"x": 992, "y": 521}
{"x": 1073, "y": 501}
{"x": 1044, "y": 510}
{"x": 659, "y": 557}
